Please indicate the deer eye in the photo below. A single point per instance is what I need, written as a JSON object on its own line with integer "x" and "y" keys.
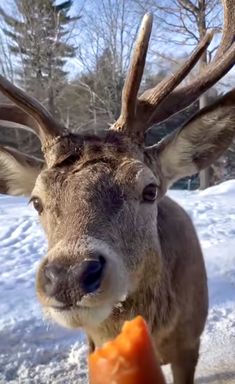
{"x": 150, "y": 192}
{"x": 37, "y": 203}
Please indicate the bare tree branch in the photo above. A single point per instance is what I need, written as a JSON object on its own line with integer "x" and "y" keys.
{"x": 189, "y": 6}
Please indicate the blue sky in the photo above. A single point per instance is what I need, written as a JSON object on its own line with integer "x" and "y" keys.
{"x": 90, "y": 8}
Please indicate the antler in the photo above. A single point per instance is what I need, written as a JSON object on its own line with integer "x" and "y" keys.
{"x": 137, "y": 114}
{"x": 134, "y": 76}
{"x": 14, "y": 117}
{"x": 35, "y": 115}
{"x": 49, "y": 128}
{"x": 161, "y": 102}
{"x": 228, "y": 36}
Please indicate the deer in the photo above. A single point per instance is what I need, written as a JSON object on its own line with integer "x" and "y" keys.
{"x": 118, "y": 246}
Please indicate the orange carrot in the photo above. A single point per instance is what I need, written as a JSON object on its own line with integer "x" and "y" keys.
{"x": 128, "y": 359}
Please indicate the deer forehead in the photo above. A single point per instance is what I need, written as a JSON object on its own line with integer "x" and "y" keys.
{"x": 128, "y": 174}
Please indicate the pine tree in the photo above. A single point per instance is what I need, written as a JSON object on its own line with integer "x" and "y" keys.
{"x": 39, "y": 34}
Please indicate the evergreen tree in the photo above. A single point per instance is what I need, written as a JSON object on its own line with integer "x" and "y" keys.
{"x": 39, "y": 34}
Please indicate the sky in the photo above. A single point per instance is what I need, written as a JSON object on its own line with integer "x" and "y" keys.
{"x": 91, "y": 38}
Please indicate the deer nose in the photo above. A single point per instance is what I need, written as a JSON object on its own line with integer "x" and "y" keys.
{"x": 67, "y": 284}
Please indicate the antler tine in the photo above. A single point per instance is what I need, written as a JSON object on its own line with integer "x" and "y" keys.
{"x": 48, "y": 127}
{"x": 157, "y": 94}
{"x": 14, "y": 117}
{"x": 185, "y": 95}
{"x": 138, "y": 111}
{"x": 228, "y": 34}
{"x": 134, "y": 76}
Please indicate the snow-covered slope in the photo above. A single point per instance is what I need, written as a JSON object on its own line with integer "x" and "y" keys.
{"x": 34, "y": 351}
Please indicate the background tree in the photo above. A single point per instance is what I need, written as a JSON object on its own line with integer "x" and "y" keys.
{"x": 108, "y": 29}
{"x": 39, "y": 35}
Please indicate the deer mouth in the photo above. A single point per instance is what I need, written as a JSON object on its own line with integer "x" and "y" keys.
{"x": 80, "y": 307}
{"x": 73, "y": 316}
{"x": 82, "y": 315}
{"x": 69, "y": 307}
{"x": 63, "y": 307}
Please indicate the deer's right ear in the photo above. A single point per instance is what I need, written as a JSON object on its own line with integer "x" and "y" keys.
{"x": 198, "y": 143}
{"x": 18, "y": 172}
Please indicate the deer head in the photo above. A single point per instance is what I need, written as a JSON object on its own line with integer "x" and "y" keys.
{"x": 97, "y": 197}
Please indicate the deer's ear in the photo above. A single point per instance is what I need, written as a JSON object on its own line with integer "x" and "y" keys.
{"x": 18, "y": 172}
{"x": 198, "y": 143}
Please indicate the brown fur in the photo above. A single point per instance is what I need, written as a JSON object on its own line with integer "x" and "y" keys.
{"x": 156, "y": 269}
{"x": 98, "y": 195}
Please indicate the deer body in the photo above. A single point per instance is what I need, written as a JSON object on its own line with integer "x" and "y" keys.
{"x": 175, "y": 303}
{"x": 156, "y": 243}
{"x": 116, "y": 246}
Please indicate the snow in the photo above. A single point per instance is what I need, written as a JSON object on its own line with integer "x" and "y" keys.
{"x": 35, "y": 351}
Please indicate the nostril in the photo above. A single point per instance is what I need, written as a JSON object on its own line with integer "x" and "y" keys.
{"x": 53, "y": 275}
{"x": 53, "y": 272}
{"x": 50, "y": 274}
{"x": 92, "y": 273}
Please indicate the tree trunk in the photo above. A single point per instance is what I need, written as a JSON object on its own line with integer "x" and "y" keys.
{"x": 204, "y": 175}
{"x": 51, "y": 100}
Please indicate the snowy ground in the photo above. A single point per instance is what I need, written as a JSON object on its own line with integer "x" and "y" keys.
{"x": 33, "y": 351}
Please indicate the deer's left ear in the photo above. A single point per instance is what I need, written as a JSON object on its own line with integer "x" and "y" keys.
{"x": 18, "y": 172}
{"x": 198, "y": 143}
